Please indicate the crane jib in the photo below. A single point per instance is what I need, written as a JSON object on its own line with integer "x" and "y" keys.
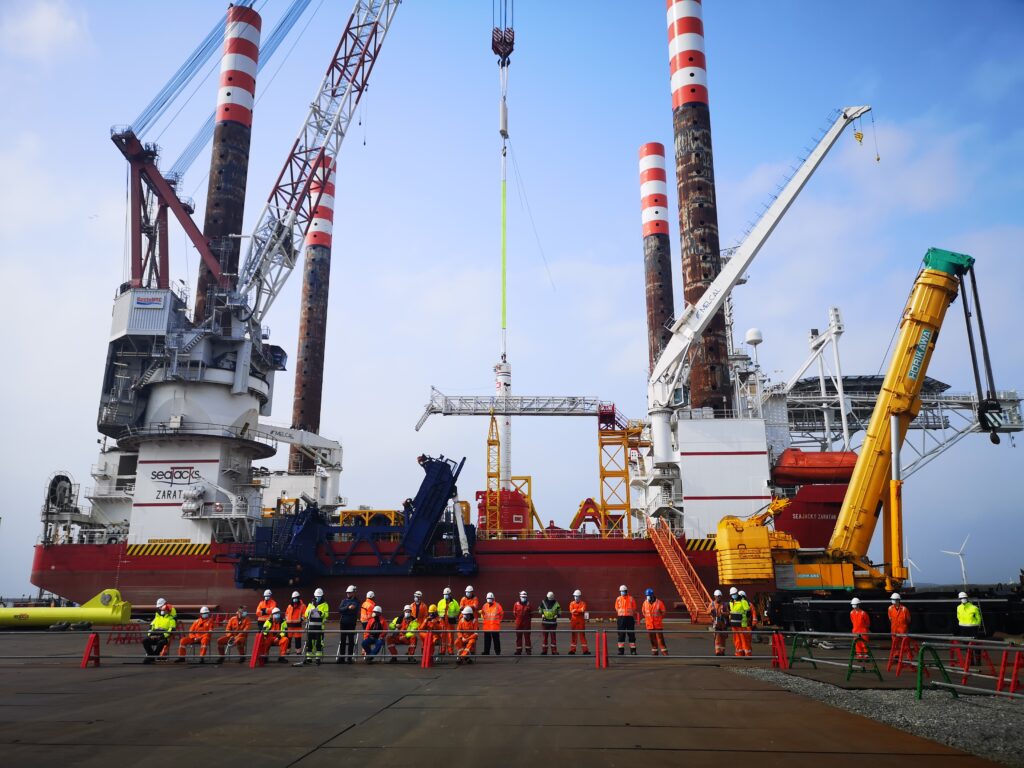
{"x": 920, "y": 350}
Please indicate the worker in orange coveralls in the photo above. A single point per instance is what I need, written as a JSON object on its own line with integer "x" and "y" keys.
{"x": 293, "y": 615}
{"x": 625, "y": 620}
{"x": 899, "y": 616}
{"x": 523, "y": 617}
{"x": 861, "y": 623}
{"x": 366, "y": 609}
{"x": 465, "y": 641}
{"x": 653, "y": 610}
{"x": 403, "y": 632}
{"x": 492, "y": 613}
{"x": 418, "y": 607}
{"x": 578, "y": 623}
{"x": 198, "y": 634}
{"x": 275, "y": 632}
{"x": 470, "y": 601}
{"x": 719, "y": 612}
{"x": 430, "y": 632}
{"x": 235, "y": 634}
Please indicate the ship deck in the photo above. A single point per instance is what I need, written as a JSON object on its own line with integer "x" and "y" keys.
{"x": 508, "y": 712}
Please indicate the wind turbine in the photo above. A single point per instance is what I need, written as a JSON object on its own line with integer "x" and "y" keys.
{"x": 960, "y": 555}
{"x": 911, "y": 565}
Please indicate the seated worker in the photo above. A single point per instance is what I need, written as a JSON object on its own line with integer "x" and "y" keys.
{"x": 236, "y": 634}
{"x": 275, "y": 632}
{"x": 198, "y": 634}
{"x": 373, "y": 634}
{"x": 158, "y": 639}
{"x": 465, "y": 640}
{"x": 430, "y": 632}
{"x": 403, "y": 632}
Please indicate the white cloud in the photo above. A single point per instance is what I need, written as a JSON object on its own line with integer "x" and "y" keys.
{"x": 44, "y": 30}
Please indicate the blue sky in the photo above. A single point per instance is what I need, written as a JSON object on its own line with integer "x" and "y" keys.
{"x": 414, "y": 297}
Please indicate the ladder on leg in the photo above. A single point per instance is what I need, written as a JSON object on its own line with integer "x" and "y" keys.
{"x": 691, "y": 589}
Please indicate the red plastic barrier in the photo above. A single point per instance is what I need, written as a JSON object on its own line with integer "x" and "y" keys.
{"x": 92, "y": 651}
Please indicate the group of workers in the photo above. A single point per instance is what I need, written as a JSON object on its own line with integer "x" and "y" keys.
{"x": 451, "y": 627}
{"x": 447, "y": 627}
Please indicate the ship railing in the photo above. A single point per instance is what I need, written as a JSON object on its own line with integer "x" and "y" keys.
{"x": 555, "y": 535}
{"x": 201, "y": 429}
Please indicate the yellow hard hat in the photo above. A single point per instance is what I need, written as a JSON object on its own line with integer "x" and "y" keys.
{"x": 432, "y": 609}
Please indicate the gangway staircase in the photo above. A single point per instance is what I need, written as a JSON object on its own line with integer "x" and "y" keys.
{"x": 687, "y": 583}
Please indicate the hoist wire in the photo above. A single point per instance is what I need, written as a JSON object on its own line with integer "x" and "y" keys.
{"x": 173, "y": 87}
{"x": 524, "y": 200}
{"x": 267, "y": 50}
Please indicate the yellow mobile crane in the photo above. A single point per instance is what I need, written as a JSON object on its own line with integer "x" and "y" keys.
{"x": 749, "y": 551}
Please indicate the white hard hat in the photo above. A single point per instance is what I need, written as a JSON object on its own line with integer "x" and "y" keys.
{"x": 741, "y": 593}
{"x": 378, "y": 609}
{"x": 417, "y": 593}
{"x": 469, "y": 589}
{"x": 551, "y": 595}
{"x": 962, "y": 596}
{"x": 522, "y": 594}
{"x": 718, "y": 593}
{"x": 733, "y": 590}
{"x": 204, "y": 611}
{"x": 406, "y": 607}
{"x": 490, "y": 595}
{"x": 577, "y": 593}
{"x": 351, "y": 588}
{"x": 370, "y": 595}
{"x": 623, "y": 588}
{"x": 266, "y": 593}
{"x": 855, "y": 601}
{"x": 467, "y": 611}
{"x": 276, "y": 611}
{"x": 160, "y": 602}
{"x": 295, "y": 594}
{"x": 447, "y": 591}
{"x": 318, "y": 592}
{"x": 895, "y": 596}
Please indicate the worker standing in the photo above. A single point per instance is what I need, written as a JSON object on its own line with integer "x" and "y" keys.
{"x": 625, "y": 620}
{"x": 860, "y": 622}
{"x": 578, "y": 616}
{"x": 968, "y": 618}
{"x": 265, "y": 608}
{"x": 550, "y": 610}
{"x": 899, "y": 616}
{"x": 739, "y": 622}
{"x": 158, "y": 639}
{"x": 373, "y": 634}
{"x": 752, "y": 621}
{"x": 315, "y": 617}
{"x": 448, "y": 610}
{"x": 236, "y": 634}
{"x": 419, "y": 608}
{"x": 719, "y": 621}
{"x": 275, "y": 632}
{"x": 199, "y": 633}
{"x": 523, "y": 618}
{"x": 465, "y": 641}
{"x": 470, "y": 601}
{"x": 491, "y": 614}
{"x": 366, "y": 609}
{"x": 348, "y": 615}
{"x": 294, "y": 614}
{"x": 403, "y": 632}
{"x": 653, "y": 610}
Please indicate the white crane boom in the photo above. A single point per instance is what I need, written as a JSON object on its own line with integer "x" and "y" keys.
{"x": 673, "y": 365}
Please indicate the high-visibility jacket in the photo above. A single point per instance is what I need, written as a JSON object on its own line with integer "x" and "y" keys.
{"x": 265, "y": 609}
{"x": 315, "y": 615}
{"x": 374, "y": 628}
{"x": 237, "y": 626}
{"x": 523, "y": 614}
{"x": 201, "y": 627}
{"x": 899, "y": 619}
{"x": 419, "y": 611}
{"x": 654, "y": 614}
{"x": 492, "y": 614}
{"x": 625, "y": 605}
{"x": 577, "y": 613}
{"x": 968, "y": 615}
{"x": 860, "y": 620}
{"x": 366, "y": 610}
{"x": 348, "y": 612}
{"x": 550, "y": 610}
{"x": 402, "y": 625}
{"x": 294, "y": 612}
{"x": 280, "y": 628}
{"x": 739, "y": 613}
{"x": 164, "y": 624}
{"x": 448, "y": 608}
{"x": 719, "y": 615}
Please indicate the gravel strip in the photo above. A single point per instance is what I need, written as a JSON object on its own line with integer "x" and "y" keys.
{"x": 986, "y": 726}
